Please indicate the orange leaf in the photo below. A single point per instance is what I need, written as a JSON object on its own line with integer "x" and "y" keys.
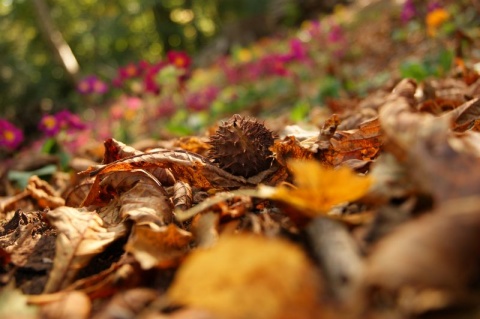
{"x": 248, "y": 277}
{"x": 319, "y": 188}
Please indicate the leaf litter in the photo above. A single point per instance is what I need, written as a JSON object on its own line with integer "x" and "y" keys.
{"x": 373, "y": 213}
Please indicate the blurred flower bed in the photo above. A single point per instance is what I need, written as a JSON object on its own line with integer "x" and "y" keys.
{"x": 285, "y": 75}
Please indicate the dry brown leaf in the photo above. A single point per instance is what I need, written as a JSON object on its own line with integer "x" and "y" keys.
{"x": 362, "y": 144}
{"x": 318, "y": 188}
{"x": 137, "y": 195}
{"x": 182, "y": 196}
{"x": 288, "y": 149}
{"x": 158, "y": 246}
{"x": 465, "y": 115}
{"x": 81, "y": 235}
{"x": 43, "y": 193}
{"x": 116, "y": 150}
{"x": 249, "y": 277}
{"x": 185, "y": 166}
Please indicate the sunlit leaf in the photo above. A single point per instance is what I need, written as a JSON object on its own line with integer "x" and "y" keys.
{"x": 318, "y": 188}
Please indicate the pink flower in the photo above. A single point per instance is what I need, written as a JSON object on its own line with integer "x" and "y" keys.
{"x": 10, "y": 136}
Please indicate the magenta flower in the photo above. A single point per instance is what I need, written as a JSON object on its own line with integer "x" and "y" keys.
{"x": 10, "y": 136}
{"x": 149, "y": 81}
{"x": 129, "y": 71}
{"x": 166, "y": 108}
{"x": 336, "y": 34}
{"x": 50, "y": 124}
{"x": 297, "y": 51}
{"x": 179, "y": 58}
{"x": 91, "y": 84}
{"x": 433, "y": 5}
{"x": 201, "y": 100}
{"x": 69, "y": 120}
{"x": 408, "y": 11}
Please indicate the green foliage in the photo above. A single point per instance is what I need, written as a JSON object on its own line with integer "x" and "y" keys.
{"x": 437, "y": 65}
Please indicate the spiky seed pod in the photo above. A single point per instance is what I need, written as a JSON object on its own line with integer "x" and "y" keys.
{"x": 241, "y": 145}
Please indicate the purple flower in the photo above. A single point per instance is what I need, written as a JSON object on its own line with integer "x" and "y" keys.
{"x": 10, "y": 136}
{"x": 408, "y": 11}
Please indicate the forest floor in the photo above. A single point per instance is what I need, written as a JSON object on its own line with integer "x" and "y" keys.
{"x": 372, "y": 210}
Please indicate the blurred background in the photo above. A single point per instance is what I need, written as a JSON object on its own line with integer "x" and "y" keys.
{"x": 47, "y": 46}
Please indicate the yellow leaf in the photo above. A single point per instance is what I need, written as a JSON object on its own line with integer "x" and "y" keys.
{"x": 319, "y": 188}
{"x": 245, "y": 276}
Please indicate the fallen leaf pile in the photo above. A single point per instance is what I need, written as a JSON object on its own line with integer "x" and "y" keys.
{"x": 373, "y": 214}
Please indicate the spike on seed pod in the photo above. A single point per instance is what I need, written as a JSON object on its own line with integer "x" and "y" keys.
{"x": 241, "y": 145}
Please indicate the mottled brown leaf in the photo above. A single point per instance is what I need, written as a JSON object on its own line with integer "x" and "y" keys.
{"x": 81, "y": 235}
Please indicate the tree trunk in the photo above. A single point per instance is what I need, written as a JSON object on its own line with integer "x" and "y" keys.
{"x": 58, "y": 46}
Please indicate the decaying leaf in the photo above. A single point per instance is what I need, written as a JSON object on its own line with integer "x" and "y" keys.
{"x": 249, "y": 277}
{"x": 158, "y": 246}
{"x": 318, "y": 188}
{"x": 81, "y": 236}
